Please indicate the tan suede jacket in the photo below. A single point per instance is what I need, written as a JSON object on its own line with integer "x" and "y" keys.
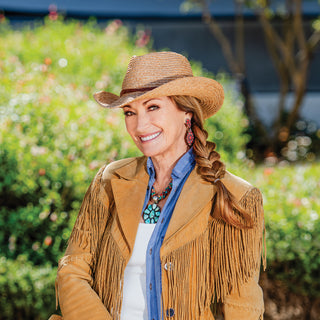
{"x": 203, "y": 259}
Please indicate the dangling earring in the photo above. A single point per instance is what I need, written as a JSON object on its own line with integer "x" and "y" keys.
{"x": 189, "y": 135}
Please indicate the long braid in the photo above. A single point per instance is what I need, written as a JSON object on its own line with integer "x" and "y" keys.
{"x": 211, "y": 168}
{"x": 208, "y": 160}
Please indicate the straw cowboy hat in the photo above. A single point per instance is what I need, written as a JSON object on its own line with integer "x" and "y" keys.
{"x": 161, "y": 74}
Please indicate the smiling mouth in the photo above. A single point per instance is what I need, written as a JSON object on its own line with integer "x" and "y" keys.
{"x": 150, "y": 137}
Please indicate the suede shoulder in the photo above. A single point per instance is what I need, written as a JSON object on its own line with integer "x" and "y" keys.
{"x": 124, "y": 168}
{"x": 236, "y": 185}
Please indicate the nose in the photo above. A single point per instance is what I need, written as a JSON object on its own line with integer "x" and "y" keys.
{"x": 142, "y": 122}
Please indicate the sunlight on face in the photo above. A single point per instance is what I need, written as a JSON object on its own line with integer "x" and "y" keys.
{"x": 157, "y": 127}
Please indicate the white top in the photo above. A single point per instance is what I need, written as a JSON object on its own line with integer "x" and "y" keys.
{"x": 134, "y": 303}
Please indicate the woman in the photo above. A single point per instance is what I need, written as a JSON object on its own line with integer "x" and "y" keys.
{"x": 172, "y": 233}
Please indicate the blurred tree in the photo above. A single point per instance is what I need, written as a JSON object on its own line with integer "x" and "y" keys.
{"x": 291, "y": 51}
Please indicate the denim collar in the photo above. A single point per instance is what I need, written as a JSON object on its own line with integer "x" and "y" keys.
{"x": 182, "y": 167}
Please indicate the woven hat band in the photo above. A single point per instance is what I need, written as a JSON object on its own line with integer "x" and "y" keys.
{"x": 124, "y": 91}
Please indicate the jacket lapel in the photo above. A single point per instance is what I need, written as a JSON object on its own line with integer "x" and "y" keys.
{"x": 129, "y": 193}
{"x": 195, "y": 195}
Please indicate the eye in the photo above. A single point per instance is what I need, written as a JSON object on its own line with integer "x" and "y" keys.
{"x": 128, "y": 113}
{"x": 153, "y": 107}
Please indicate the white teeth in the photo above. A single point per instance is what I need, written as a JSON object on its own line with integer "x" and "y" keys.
{"x": 150, "y": 137}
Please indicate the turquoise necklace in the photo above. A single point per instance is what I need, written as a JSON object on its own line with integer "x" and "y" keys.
{"x": 152, "y": 212}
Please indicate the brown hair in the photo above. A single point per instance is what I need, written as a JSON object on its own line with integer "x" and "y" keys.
{"x": 211, "y": 168}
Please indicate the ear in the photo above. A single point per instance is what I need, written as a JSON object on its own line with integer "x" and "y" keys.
{"x": 189, "y": 115}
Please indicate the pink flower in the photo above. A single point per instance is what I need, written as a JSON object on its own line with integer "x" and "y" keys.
{"x": 113, "y": 27}
{"x": 2, "y": 18}
{"x": 42, "y": 172}
{"x": 297, "y": 202}
{"x": 268, "y": 171}
{"x": 47, "y": 241}
{"x": 44, "y": 99}
{"x": 53, "y": 217}
{"x": 144, "y": 38}
{"x": 53, "y": 14}
{"x": 43, "y": 68}
{"x": 71, "y": 157}
{"x": 47, "y": 61}
{"x": 35, "y": 246}
{"x": 93, "y": 165}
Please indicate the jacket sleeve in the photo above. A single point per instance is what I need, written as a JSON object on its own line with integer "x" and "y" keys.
{"x": 245, "y": 303}
{"x": 74, "y": 279}
{"x": 240, "y": 271}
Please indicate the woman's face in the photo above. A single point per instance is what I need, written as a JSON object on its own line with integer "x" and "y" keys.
{"x": 157, "y": 127}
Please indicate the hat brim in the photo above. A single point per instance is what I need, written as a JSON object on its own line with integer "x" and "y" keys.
{"x": 208, "y": 91}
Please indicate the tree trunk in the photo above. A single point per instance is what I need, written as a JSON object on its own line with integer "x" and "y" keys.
{"x": 236, "y": 65}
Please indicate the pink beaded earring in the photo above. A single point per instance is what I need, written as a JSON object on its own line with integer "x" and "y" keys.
{"x": 189, "y": 135}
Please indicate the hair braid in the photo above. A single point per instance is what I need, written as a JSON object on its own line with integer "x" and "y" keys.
{"x": 208, "y": 160}
{"x": 211, "y": 168}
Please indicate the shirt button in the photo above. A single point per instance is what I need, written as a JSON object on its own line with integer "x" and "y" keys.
{"x": 150, "y": 251}
{"x": 150, "y": 286}
{"x": 162, "y": 220}
{"x": 170, "y": 312}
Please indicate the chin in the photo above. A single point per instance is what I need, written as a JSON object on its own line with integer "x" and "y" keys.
{"x": 150, "y": 153}
{"x": 150, "y": 150}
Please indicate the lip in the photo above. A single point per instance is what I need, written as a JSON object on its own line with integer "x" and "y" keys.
{"x": 149, "y": 137}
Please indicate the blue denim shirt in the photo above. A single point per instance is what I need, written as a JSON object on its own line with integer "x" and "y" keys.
{"x": 179, "y": 175}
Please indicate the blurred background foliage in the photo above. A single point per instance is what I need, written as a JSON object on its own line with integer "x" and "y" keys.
{"x": 54, "y": 137}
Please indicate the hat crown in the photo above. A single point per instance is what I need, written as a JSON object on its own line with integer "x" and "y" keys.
{"x": 154, "y": 69}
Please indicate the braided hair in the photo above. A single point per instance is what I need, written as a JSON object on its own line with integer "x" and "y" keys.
{"x": 211, "y": 168}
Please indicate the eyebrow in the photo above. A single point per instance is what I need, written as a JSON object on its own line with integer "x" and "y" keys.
{"x": 144, "y": 103}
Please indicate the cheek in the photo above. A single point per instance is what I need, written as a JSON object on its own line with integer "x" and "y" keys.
{"x": 178, "y": 125}
{"x": 129, "y": 126}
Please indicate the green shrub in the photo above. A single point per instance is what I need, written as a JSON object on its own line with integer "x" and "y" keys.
{"x": 292, "y": 205}
{"x": 26, "y": 291}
